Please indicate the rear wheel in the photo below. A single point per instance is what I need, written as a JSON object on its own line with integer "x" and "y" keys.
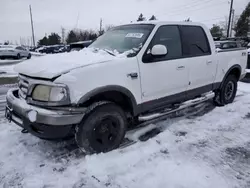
{"x": 227, "y": 93}
{"x": 29, "y": 56}
{"x": 18, "y": 56}
{"x": 102, "y": 129}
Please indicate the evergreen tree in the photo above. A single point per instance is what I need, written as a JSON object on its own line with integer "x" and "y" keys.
{"x": 216, "y": 31}
{"x": 242, "y": 26}
{"x": 53, "y": 39}
{"x": 141, "y": 18}
{"x": 72, "y": 37}
{"x": 43, "y": 41}
{"x": 153, "y": 17}
{"x": 188, "y": 20}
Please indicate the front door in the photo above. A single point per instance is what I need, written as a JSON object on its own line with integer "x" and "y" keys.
{"x": 164, "y": 79}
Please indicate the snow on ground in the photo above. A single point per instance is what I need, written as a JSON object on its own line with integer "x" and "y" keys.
{"x": 7, "y": 70}
{"x": 7, "y": 66}
{"x": 203, "y": 150}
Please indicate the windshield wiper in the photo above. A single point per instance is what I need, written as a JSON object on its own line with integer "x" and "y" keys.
{"x": 109, "y": 52}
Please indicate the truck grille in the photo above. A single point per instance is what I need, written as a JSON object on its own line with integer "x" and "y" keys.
{"x": 23, "y": 85}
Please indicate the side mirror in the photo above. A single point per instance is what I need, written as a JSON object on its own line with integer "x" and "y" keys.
{"x": 159, "y": 50}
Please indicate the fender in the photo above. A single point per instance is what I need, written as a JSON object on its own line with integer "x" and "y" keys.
{"x": 228, "y": 72}
{"x": 117, "y": 88}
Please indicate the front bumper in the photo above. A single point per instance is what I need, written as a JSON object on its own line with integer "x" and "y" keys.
{"x": 48, "y": 123}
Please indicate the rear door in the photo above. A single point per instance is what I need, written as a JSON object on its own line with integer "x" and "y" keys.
{"x": 24, "y": 52}
{"x": 200, "y": 60}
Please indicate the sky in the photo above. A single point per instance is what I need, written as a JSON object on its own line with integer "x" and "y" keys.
{"x": 51, "y": 15}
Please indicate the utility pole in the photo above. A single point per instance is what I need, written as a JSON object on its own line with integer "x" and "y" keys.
{"x": 63, "y": 35}
{"x": 248, "y": 33}
{"x": 230, "y": 17}
{"x": 232, "y": 23}
{"x": 77, "y": 19}
{"x": 100, "y": 27}
{"x": 32, "y": 27}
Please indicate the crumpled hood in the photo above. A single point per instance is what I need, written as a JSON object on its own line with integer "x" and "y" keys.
{"x": 50, "y": 66}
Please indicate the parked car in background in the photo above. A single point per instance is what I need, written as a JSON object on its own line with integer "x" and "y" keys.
{"x": 52, "y": 49}
{"x": 76, "y": 46}
{"x": 11, "y": 51}
{"x": 227, "y": 45}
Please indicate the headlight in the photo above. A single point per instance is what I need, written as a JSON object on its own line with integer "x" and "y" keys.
{"x": 49, "y": 93}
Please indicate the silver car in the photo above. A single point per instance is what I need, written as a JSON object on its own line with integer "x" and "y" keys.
{"x": 16, "y": 52}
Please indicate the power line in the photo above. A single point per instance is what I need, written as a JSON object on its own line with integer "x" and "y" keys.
{"x": 192, "y": 3}
{"x": 212, "y": 19}
{"x": 188, "y": 10}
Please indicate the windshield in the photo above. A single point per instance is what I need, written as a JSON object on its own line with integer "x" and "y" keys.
{"x": 124, "y": 38}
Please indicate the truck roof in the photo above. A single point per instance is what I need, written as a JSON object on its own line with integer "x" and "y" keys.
{"x": 156, "y": 22}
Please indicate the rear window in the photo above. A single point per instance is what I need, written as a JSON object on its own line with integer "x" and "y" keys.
{"x": 195, "y": 42}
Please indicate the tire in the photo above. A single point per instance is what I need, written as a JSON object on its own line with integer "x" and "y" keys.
{"x": 29, "y": 56}
{"x": 227, "y": 93}
{"x": 102, "y": 129}
{"x": 18, "y": 56}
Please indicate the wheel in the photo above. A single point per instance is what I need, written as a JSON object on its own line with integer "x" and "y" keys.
{"x": 18, "y": 56}
{"x": 29, "y": 56}
{"x": 227, "y": 93}
{"x": 102, "y": 130}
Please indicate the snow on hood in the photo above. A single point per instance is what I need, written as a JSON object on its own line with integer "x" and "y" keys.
{"x": 50, "y": 66}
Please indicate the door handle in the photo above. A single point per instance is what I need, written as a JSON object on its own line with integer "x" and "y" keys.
{"x": 209, "y": 62}
{"x": 133, "y": 75}
{"x": 180, "y": 67}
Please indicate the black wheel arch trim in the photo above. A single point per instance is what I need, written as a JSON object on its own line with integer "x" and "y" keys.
{"x": 228, "y": 72}
{"x": 116, "y": 88}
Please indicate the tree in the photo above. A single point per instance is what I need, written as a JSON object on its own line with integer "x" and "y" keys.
{"x": 108, "y": 27}
{"x": 153, "y": 17}
{"x": 216, "y": 31}
{"x": 101, "y": 32}
{"x": 242, "y": 25}
{"x": 188, "y": 20}
{"x": 43, "y": 41}
{"x": 72, "y": 37}
{"x": 141, "y": 18}
{"x": 80, "y": 35}
{"x": 92, "y": 35}
{"x": 53, "y": 39}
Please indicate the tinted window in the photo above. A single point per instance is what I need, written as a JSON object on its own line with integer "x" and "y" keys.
{"x": 195, "y": 42}
{"x": 233, "y": 45}
{"x": 19, "y": 48}
{"x": 168, "y": 36}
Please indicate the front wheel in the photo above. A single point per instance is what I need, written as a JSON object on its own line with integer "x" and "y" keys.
{"x": 227, "y": 93}
{"x": 102, "y": 130}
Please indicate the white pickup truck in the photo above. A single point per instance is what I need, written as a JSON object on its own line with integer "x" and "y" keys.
{"x": 127, "y": 75}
